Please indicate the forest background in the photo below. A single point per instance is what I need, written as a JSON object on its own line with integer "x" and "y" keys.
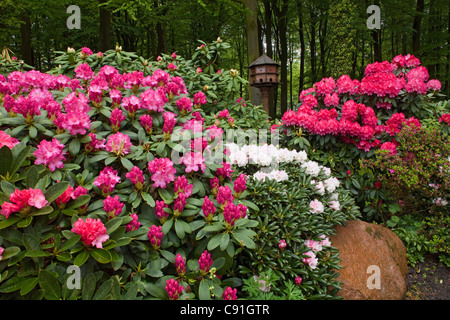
{"x": 311, "y": 39}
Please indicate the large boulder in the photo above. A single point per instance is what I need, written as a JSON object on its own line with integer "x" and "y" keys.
{"x": 373, "y": 260}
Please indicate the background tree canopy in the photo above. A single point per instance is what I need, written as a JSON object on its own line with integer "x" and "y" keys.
{"x": 311, "y": 39}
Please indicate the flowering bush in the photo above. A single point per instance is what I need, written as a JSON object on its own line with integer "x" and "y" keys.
{"x": 298, "y": 204}
{"x": 117, "y": 173}
{"x": 417, "y": 175}
{"x": 342, "y": 121}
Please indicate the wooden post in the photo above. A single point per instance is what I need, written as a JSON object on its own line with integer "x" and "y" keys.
{"x": 265, "y": 90}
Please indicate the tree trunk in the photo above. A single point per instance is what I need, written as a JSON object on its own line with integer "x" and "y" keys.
{"x": 281, "y": 14}
{"x": 301, "y": 82}
{"x": 416, "y": 26}
{"x": 25, "y": 33}
{"x": 251, "y": 23}
{"x": 312, "y": 46}
{"x": 269, "y": 51}
{"x": 105, "y": 27}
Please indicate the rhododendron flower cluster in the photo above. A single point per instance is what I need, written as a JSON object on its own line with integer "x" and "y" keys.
{"x": 134, "y": 224}
{"x": 209, "y": 209}
{"x": 205, "y": 261}
{"x": 7, "y": 140}
{"x": 155, "y": 235}
{"x": 92, "y": 231}
{"x": 357, "y": 123}
{"x": 136, "y": 177}
{"x": 23, "y": 201}
{"x": 50, "y": 154}
{"x": 232, "y": 213}
{"x": 180, "y": 265}
{"x": 107, "y": 180}
{"x": 229, "y": 294}
{"x": 112, "y": 206}
{"x": 159, "y": 210}
{"x": 119, "y": 144}
{"x": 162, "y": 171}
{"x": 173, "y": 289}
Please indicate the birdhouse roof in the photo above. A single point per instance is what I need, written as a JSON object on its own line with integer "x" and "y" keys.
{"x": 263, "y": 60}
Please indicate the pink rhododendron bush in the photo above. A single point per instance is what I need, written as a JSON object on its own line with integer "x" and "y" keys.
{"x": 118, "y": 181}
{"x": 119, "y": 176}
{"x": 340, "y": 121}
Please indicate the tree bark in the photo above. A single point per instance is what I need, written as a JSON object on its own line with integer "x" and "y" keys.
{"x": 281, "y": 14}
{"x": 251, "y": 23}
{"x": 105, "y": 27}
{"x": 25, "y": 33}
{"x": 416, "y": 26}
{"x": 301, "y": 82}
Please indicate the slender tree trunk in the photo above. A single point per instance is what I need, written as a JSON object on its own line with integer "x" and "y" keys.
{"x": 281, "y": 13}
{"x": 417, "y": 25}
{"x": 269, "y": 51}
{"x": 312, "y": 46}
{"x": 447, "y": 71}
{"x": 25, "y": 33}
{"x": 105, "y": 27}
{"x": 251, "y": 22}
{"x": 301, "y": 81}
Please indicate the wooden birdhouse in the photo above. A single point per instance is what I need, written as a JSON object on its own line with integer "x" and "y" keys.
{"x": 264, "y": 72}
{"x": 264, "y": 76}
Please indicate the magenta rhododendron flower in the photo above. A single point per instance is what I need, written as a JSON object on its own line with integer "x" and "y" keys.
{"x": 92, "y": 231}
{"x": 225, "y": 171}
{"x": 169, "y": 122}
{"x": 50, "y": 154}
{"x": 153, "y": 100}
{"x": 389, "y": 146}
{"x": 182, "y": 185}
{"x": 224, "y": 195}
{"x": 205, "y": 261}
{"x": 199, "y": 99}
{"x": 84, "y": 72}
{"x": 112, "y": 206}
{"x": 95, "y": 144}
{"x": 147, "y": 122}
{"x": 162, "y": 171}
{"x": 298, "y": 280}
{"x": 159, "y": 210}
{"x": 184, "y": 104}
{"x": 445, "y": 118}
{"x": 180, "y": 265}
{"x": 1, "y": 253}
{"x": 232, "y": 213}
{"x": 239, "y": 185}
{"x": 136, "y": 176}
{"x": 116, "y": 118}
{"x": 178, "y": 204}
{"x": 134, "y": 224}
{"x": 119, "y": 144}
{"x": 22, "y": 201}
{"x": 193, "y": 161}
{"x": 434, "y": 85}
{"x": 131, "y": 104}
{"x": 209, "y": 209}
{"x": 107, "y": 180}
{"x": 229, "y": 294}
{"x": 155, "y": 235}
{"x": 173, "y": 289}
{"x": 7, "y": 140}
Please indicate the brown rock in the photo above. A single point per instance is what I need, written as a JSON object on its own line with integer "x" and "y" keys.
{"x": 373, "y": 260}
